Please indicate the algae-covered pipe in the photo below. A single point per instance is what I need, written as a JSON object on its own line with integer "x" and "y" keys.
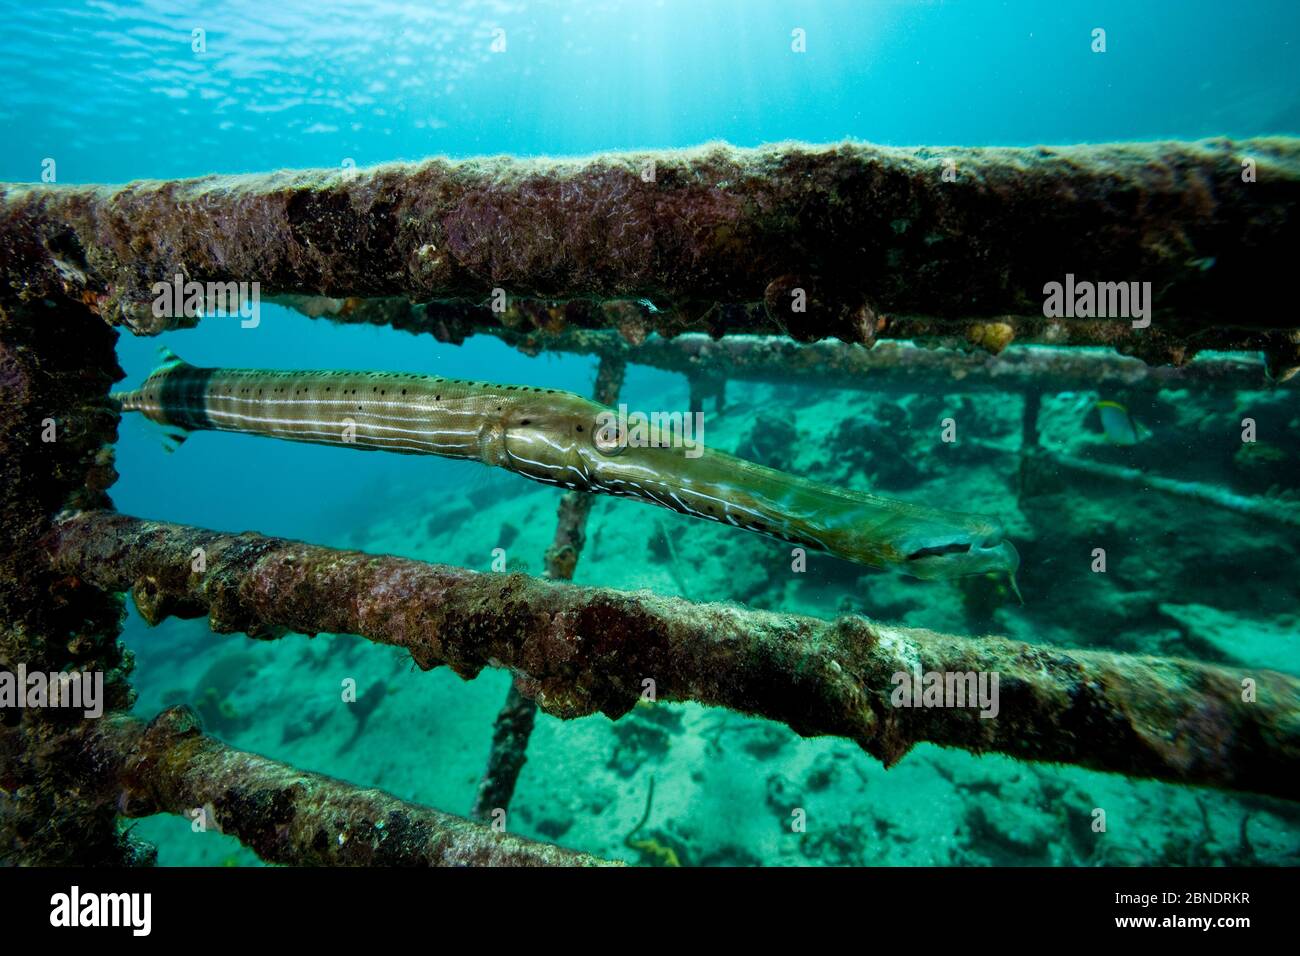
{"x": 895, "y": 367}
{"x": 830, "y": 240}
{"x": 970, "y": 352}
{"x": 287, "y": 815}
{"x": 1260, "y": 507}
{"x": 582, "y": 650}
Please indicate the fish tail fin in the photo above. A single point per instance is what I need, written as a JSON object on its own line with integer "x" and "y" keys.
{"x": 149, "y": 400}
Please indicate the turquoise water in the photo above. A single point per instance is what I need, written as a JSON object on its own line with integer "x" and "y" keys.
{"x": 116, "y": 91}
{"x": 113, "y": 91}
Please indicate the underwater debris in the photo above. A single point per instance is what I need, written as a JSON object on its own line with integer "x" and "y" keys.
{"x": 507, "y": 755}
{"x": 1272, "y": 510}
{"x": 738, "y": 345}
{"x": 56, "y": 366}
{"x": 709, "y": 361}
{"x": 818, "y": 220}
{"x": 650, "y": 849}
{"x": 895, "y": 366}
{"x": 583, "y": 650}
{"x": 287, "y": 815}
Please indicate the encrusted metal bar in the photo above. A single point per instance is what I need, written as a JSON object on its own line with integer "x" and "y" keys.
{"x": 283, "y": 814}
{"x": 511, "y": 731}
{"x": 959, "y": 350}
{"x": 1261, "y": 508}
{"x": 897, "y": 365}
{"x": 514, "y": 724}
{"x": 848, "y": 240}
{"x": 580, "y": 650}
{"x": 56, "y": 426}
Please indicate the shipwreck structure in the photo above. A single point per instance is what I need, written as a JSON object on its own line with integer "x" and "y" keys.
{"x": 785, "y": 262}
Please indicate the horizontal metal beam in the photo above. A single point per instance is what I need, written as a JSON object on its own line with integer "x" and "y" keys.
{"x": 898, "y": 366}
{"x": 287, "y": 815}
{"x": 582, "y": 650}
{"x": 850, "y": 240}
{"x": 958, "y": 349}
{"x": 1041, "y": 462}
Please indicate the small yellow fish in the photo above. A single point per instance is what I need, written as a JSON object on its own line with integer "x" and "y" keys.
{"x": 1120, "y": 426}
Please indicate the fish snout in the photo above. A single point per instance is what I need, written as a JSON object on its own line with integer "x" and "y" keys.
{"x": 972, "y": 551}
{"x": 1002, "y": 556}
{"x": 991, "y": 551}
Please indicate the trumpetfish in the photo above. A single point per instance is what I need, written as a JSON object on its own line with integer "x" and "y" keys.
{"x": 562, "y": 439}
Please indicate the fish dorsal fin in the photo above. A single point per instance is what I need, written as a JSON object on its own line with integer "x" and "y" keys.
{"x": 168, "y": 358}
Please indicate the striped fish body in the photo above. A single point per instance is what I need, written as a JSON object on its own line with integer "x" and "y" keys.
{"x": 554, "y": 437}
{"x": 372, "y": 411}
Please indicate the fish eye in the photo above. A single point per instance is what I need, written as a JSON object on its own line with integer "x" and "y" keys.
{"x": 609, "y": 440}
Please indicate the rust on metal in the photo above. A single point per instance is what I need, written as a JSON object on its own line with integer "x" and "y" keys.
{"x": 584, "y": 650}
{"x": 852, "y": 241}
{"x": 284, "y": 814}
